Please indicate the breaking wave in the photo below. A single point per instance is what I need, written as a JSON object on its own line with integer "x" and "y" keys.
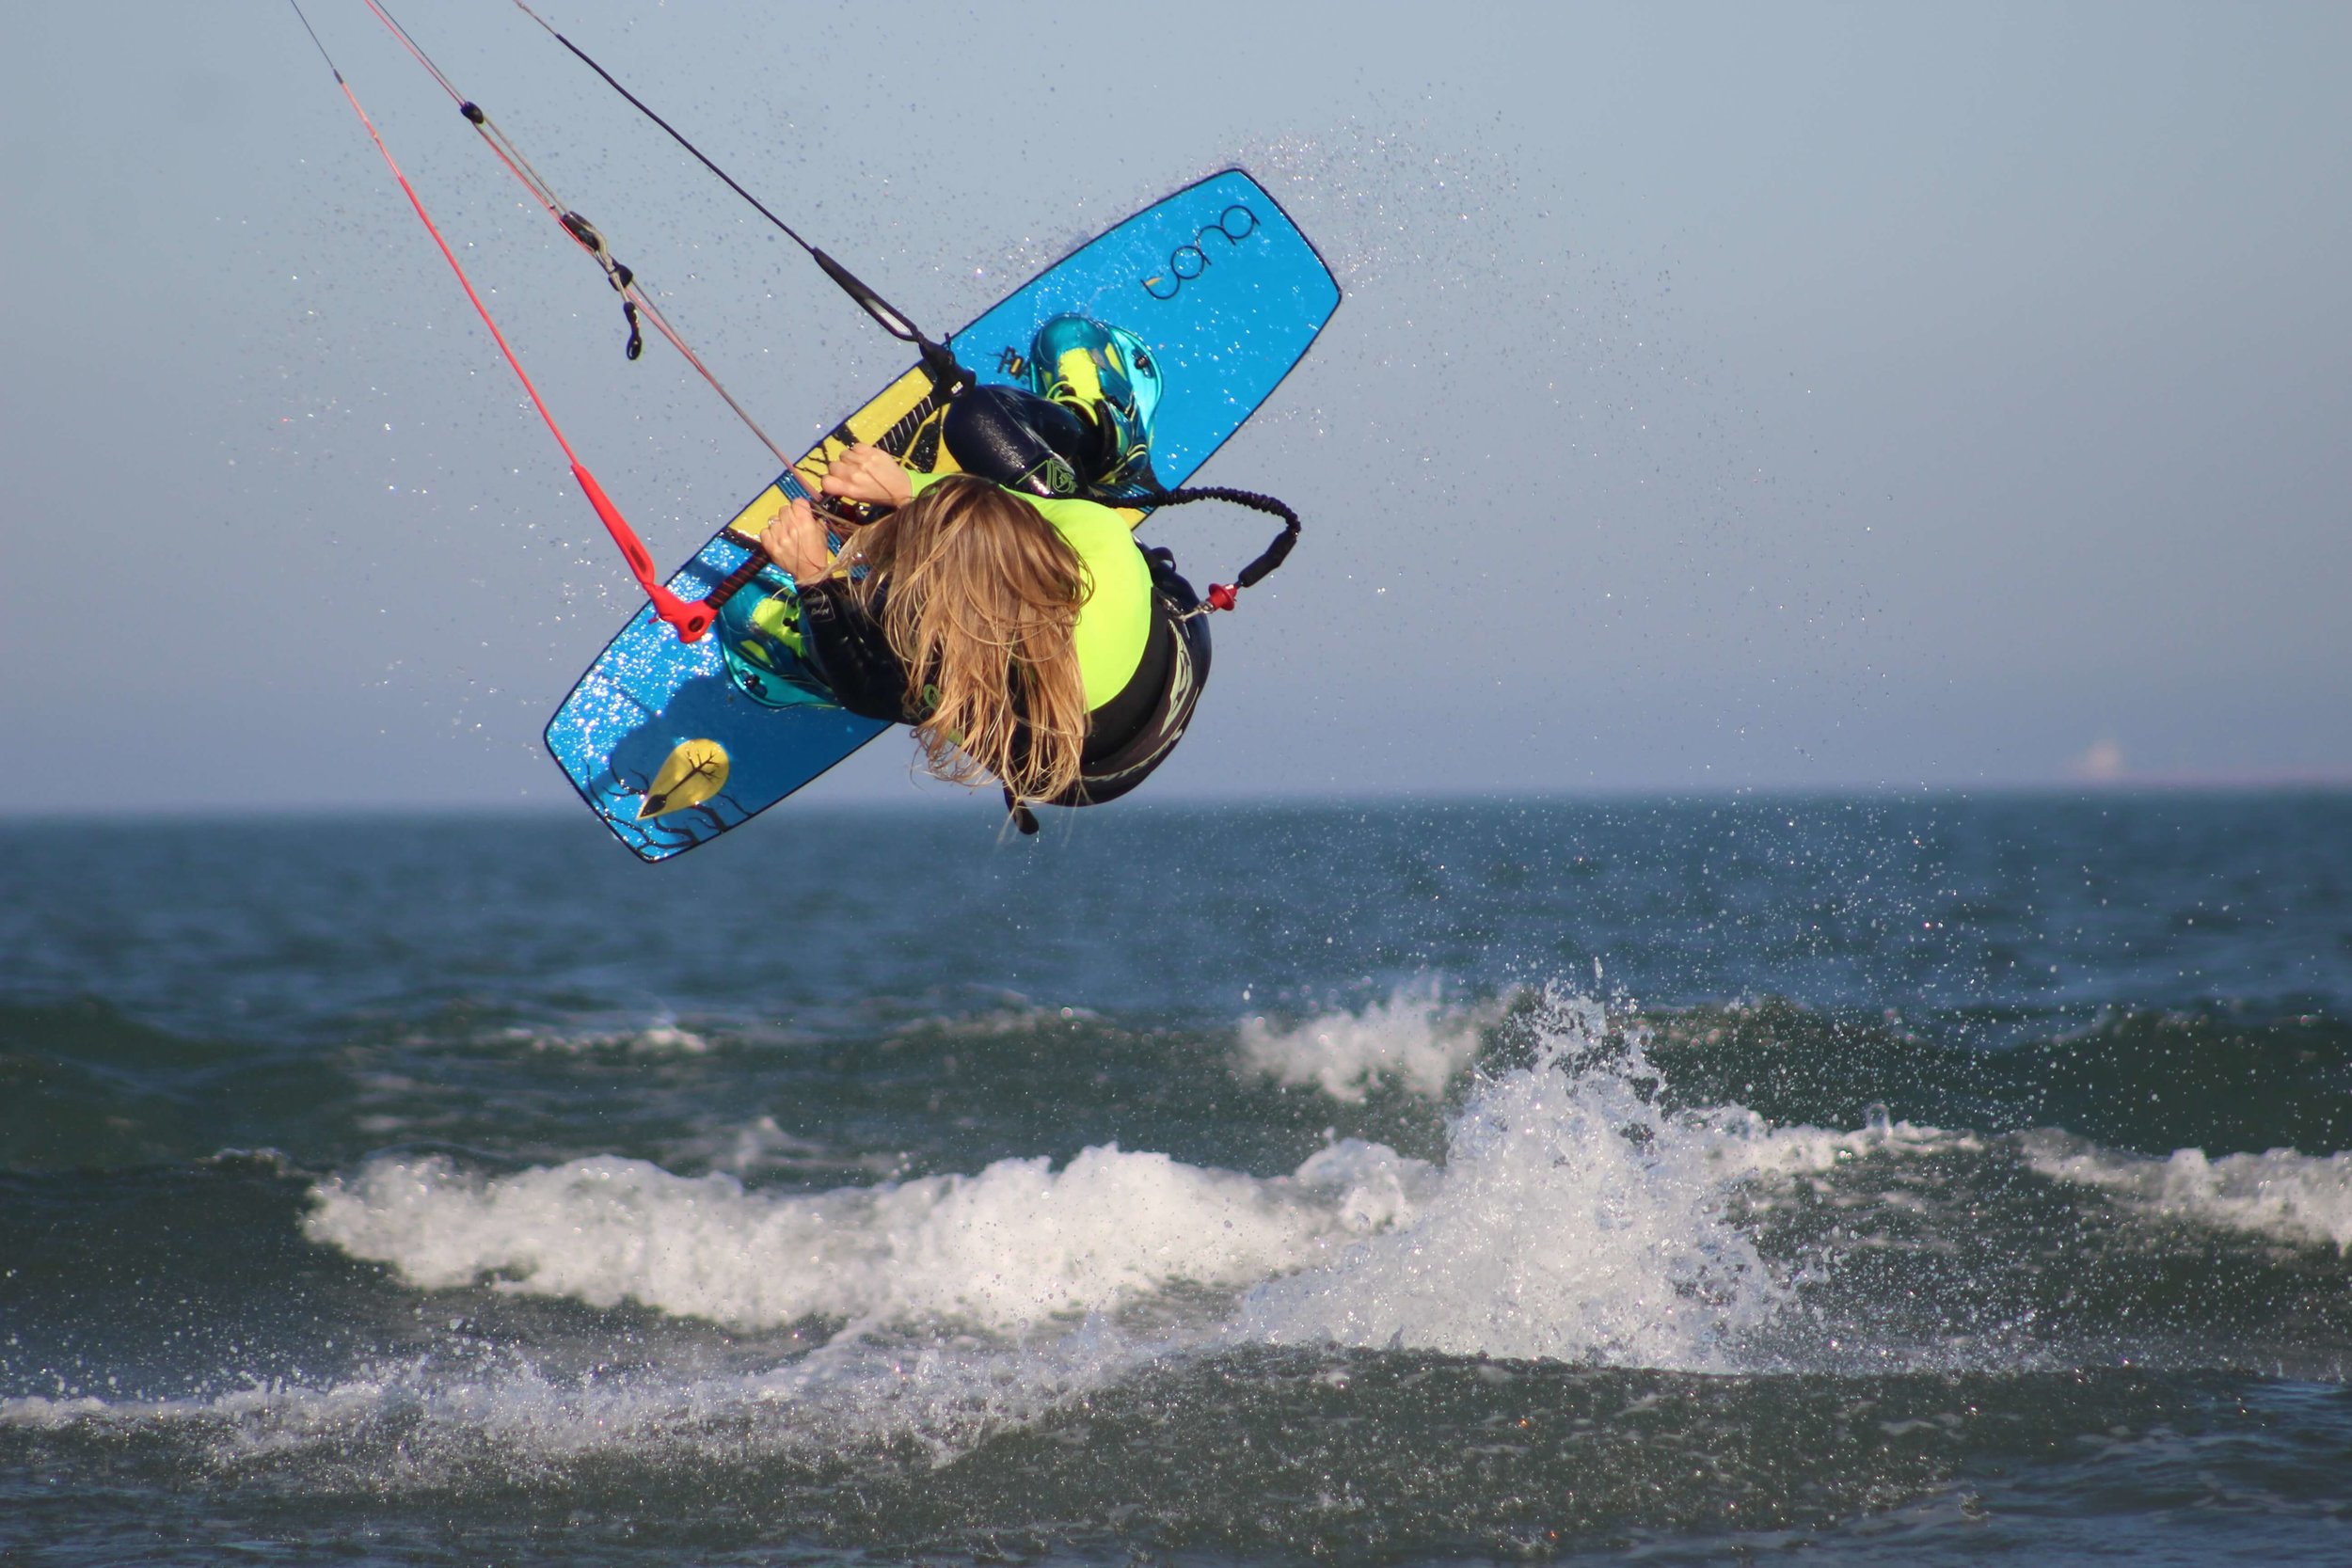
{"x": 1583, "y": 1213}
{"x": 1412, "y": 1039}
{"x": 1574, "y": 1217}
{"x": 2280, "y": 1193}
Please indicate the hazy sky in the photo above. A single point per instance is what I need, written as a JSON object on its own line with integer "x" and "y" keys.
{"x": 1723, "y": 396}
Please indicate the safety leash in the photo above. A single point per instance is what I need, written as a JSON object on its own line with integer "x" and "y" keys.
{"x": 1222, "y": 596}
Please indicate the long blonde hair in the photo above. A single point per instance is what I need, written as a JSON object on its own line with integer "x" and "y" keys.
{"x": 980, "y": 599}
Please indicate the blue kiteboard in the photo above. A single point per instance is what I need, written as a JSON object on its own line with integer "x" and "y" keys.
{"x": 1216, "y": 280}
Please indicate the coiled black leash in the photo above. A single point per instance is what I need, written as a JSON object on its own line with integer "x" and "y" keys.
{"x": 1221, "y": 596}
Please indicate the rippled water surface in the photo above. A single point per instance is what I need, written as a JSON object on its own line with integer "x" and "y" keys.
{"x": 1921, "y": 1181}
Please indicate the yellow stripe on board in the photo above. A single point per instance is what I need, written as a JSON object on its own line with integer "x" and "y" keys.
{"x": 869, "y": 425}
{"x": 753, "y": 520}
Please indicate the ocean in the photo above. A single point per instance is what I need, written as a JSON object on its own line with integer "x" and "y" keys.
{"x": 1919, "y": 1178}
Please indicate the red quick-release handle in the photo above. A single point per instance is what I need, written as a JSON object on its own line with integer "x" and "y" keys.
{"x": 689, "y": 619}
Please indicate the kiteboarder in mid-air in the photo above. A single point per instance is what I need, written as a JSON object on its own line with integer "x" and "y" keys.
{"x": 999, "y": 604}
{"x": 1008, "y": 618}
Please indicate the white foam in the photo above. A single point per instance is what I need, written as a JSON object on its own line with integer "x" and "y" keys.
{"x": 1412, "y": 1039}
{"x": 2281, "y": 1194}
{"x": 456, "y": 1412}
{"x": 1016, "y": 1016}
{"x": 1574, "y": 1221}
{"x": 1004, "y": 1250}
{"x": 663, "y": 1038}
{"x": 1754, "y": 1148}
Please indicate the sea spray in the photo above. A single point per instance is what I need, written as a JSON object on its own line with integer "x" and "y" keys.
{"x": 1578, "y": 1215}
{"x": 1585, "y": 1213}
{"x": 1578, "y": 1220}
{"x": 2002, "y": 1337}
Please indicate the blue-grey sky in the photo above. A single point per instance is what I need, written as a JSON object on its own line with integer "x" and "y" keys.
{"x": 1812, "y": 397}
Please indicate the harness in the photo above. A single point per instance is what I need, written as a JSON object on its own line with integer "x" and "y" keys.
{"x": 1180, "y": 625}
{"x": 1176, "y": 666}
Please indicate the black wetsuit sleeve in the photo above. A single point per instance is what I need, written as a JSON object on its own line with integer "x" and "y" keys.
{"x": 852, "y": 656}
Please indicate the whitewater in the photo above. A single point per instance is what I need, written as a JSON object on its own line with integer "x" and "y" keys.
{"x": 1316, "y": 1234}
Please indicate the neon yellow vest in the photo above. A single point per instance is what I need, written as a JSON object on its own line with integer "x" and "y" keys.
{"x": 1115, "y": 622}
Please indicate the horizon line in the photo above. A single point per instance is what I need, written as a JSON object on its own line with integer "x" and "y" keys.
{"x": 2292, "y": 782}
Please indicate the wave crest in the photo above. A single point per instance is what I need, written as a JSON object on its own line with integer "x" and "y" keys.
{"x": 1412, "y": 1039}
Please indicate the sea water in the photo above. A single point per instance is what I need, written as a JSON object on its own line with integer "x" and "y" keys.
{"x": 1897, "y": 1178}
